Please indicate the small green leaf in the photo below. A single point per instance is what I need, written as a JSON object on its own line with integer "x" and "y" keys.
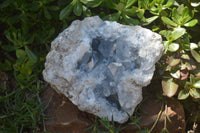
{"x": 110, "y": 4}
{"x": 168, "y": 21}
{"x": 65, "y": 12}
{"x": 9, "y": 48}
{"x": 78, "y": 8}
{"x": 187, "y": 85}
{"x": 92, "y": 3}
{"x": 193, "y": 46}
{"x": 191, "y": 23}
{"x": 86, "y": 11}
{"x": 186, "y": 65}
{"x": 185, "y": 56}
{"x": 169, "y": 87}
{"x": 150, "y": 20}
{"x": 178, "y": 32}
{"x": 140, "y": 13}
{"x": 176, "y": 17}
{"x": 192, "y": 79}
{"x": 176, "y": 74}
{"x": 169, "y": 3}
{"x": 130, "y": 21}
{"x": 129, "y": 3}
{"x": 20, "y": 53}
{"x": 194, "y": 93}
{"x": 112, "y": 17}
{"x": 183, "y": 94}
{"x": 47, "y": 14}
{"x": 195, "y": 55}
{"x": 173, "y": 47}
{"x": 131, "y": 12}
{"x": 197, "y": 84}
{"x": 186, "y": 15}
{"x": 30, "y": 54}
{"x": 166, "y": 44}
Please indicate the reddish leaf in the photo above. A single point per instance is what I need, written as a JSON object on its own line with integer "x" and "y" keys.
{"x": 174, "y": 61}
{"x": 184, "y": 74}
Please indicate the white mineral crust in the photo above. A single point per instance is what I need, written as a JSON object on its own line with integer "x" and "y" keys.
{"x": 101, "y": 66}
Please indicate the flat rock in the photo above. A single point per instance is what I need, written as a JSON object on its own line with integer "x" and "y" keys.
{"x": 101, "y": 66}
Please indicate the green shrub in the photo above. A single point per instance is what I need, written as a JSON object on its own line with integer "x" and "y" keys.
{"x": 28, "y": 27}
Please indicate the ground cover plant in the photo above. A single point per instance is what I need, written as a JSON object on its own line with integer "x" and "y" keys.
{"x": 28, "y": 26}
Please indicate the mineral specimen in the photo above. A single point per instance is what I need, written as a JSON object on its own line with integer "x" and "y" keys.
{"x": 101, "y": 66}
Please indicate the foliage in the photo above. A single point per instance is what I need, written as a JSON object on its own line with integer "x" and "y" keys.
{"x": 28, "y": 27}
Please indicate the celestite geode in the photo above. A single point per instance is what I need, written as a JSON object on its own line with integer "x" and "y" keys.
{"x": 101, "y": 66}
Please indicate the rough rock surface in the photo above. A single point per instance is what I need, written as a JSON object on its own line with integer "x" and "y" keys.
{"x": 101, "y": 66}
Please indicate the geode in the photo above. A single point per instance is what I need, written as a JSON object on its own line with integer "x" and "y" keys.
{"x": 101, "y": 66}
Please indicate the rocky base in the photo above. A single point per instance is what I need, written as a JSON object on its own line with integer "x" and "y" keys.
{"x": 64, "y": 117}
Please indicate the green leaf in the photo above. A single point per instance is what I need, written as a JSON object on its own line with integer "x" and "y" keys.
{"x": 192, "y": 79}
{"x": 193, "y": 46}
{"x": 173, "y": 47}
{"x": 129, "y": 3}
{"x": 130, "y": 21}
{"x": 185, "y": 56}
{"x": 183, "y": 94}
{"x": 20, "y": 53}
{"x": 112, "y": 17}
{"x": 168, "y": 21}
{"x": 140, "y": 13}
{"x": 91, "y": 3}
{"x": 169, "y": 87}
{"x": 195, "y": 55}
{"x": 191, "y": 23}
{"x": 160, "y": 1}
{"x": 30, "y": 54}
{"x": 194, "y": 93}
{"x": 197, "y": 84}
{"x": 110, "y": 4}
{"x": 169, "y": 3}
{"x": 9, "y": 48}
{"x": 187, "y": 85}
{"x": 178, "y": 32}
{"x": 86, "y": 11}
{"x": 47, "y": 14}
{"x": 150, "y": 20}
{"x": 175, "y": 16}
{"x": 65, "y": 12}
{"x": 131, "y": 12}
{"x": 176, "y": 74}
{"x": 78, "y": 8}
{"x": 186, "y": 15}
